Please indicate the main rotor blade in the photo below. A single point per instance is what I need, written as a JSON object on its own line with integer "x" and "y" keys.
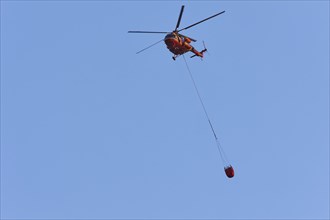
{"x": 147, "y": 32}
{"x": 179, "y": 19}
{"x": 201, "y": 21}
{"x": 150, "y": 46}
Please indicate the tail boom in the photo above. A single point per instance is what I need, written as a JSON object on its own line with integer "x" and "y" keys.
{"x": 197, "y": 53}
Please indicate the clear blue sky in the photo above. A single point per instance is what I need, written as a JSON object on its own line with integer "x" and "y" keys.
{"x": 89, "y": 129}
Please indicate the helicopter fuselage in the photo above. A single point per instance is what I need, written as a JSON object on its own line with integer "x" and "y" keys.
{"x": 176, "y": 44}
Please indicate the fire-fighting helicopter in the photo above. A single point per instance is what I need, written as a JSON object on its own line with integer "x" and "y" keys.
{"x": 178, "y": 43}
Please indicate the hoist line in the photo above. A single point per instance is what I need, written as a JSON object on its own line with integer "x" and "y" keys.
{"x": 221, "y": 152}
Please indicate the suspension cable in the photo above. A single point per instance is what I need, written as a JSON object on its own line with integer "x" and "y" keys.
{"x": 220, "y": 149}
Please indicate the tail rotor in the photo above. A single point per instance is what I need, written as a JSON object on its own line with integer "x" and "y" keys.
{"x": 205, "y": 50}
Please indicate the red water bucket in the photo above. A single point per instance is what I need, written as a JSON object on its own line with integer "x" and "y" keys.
{"x": 229, "y": 170}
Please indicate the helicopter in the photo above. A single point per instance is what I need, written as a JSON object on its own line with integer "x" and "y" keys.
{"x": 176, "y": 42}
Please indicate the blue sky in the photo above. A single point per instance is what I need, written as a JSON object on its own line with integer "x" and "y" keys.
{"x": 89, "y": 129}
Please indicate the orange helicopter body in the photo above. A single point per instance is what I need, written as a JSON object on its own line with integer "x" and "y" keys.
{"x": 179, "y": 45}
